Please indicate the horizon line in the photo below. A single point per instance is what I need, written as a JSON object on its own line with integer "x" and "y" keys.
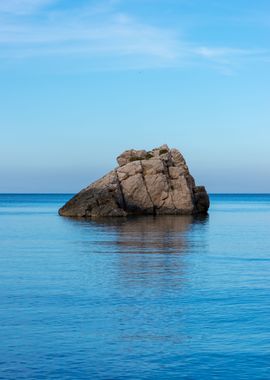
{"x": 73, "y": 193}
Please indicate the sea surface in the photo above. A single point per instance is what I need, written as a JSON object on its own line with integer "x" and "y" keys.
{"x": 139, "y": 298}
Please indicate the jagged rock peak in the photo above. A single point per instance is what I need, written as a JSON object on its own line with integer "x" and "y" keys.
{"x": 145, "y": 182}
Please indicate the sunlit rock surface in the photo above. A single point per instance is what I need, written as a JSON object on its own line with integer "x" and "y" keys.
{"x": 154, "y": 182}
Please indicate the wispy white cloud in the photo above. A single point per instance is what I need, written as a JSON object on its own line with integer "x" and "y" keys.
{"x": 230, "y": 56}
{"x": 22, "y": 6}
{"x": 29, "y": 29}
{"x": 88, "y": 30}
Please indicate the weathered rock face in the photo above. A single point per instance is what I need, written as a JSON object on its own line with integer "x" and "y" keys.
{"x": 154, "y": 182}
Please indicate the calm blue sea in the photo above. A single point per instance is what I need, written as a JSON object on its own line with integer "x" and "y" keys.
{"x": 141, "y": 298}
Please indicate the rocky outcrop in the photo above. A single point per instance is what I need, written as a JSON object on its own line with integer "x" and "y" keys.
{"x": 153, "y": 182}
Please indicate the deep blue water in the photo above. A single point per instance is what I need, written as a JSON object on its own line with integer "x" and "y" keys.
{"x": 142, "y": 298}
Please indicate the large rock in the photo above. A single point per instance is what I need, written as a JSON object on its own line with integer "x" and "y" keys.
{"x": 154, "y": 182}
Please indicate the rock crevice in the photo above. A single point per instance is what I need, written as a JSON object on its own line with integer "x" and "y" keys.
{"x": 145, "y": 184}
{"x": 121, "y": 191}
{"x": 153, "y": 182}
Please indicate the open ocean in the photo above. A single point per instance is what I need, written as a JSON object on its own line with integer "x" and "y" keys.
{"x": 140, "y": 298}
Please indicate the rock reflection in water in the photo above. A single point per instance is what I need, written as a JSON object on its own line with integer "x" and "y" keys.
{"x": 151, "y": 234}
{"x": 162, "y": 234}
{"x": 137, "y": 240}
{"x": 143, "y": 234}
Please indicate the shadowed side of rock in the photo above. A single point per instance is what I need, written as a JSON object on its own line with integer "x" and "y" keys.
{"x": 102, "y": 198}
{"x": 153, "y": 182}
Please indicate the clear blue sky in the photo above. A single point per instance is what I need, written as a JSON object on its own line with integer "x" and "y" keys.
{"x": 81, "y": 81}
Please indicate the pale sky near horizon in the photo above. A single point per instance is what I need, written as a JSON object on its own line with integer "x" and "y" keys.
{"x": 83, "y": 80}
